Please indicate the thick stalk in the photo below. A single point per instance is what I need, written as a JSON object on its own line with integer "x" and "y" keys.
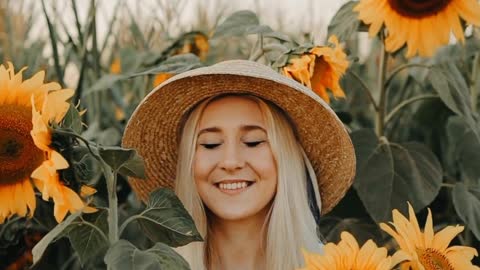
{"x": 111, "y": 178}
{"x": 380, "y": 116}
{"x": 474, "y": 85}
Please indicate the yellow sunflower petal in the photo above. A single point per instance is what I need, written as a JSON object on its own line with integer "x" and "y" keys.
{"x": 398, "y": 257}
{"x": 87, "y": 191}
{"x": 71, "y": 202}
{"x": 442, "y": 239}
{"x": 428, "y": 233}
{"x": 56, "y": 106}
{"x": 461, "y": 260}
{"x": 413, "y": 220}
{"x": 60, "y": 211}
{"x": 365, "y": 253}
{"x": 58, "y": 161}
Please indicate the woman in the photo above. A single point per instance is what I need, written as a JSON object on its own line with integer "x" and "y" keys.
{"x": 252, "y": 155}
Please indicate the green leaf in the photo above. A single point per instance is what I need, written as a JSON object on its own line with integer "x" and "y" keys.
{"x": 175, "y": 64}
{"x": 390, "y": 174}
{"x": 258, "y": 29}
{"x": 281, "y": 61}
{"x": 123, "y": 255}
{"x": 166, "y": 220}
{"x": 88, "y": 235}
{"x": 83, "y": 163}
{"x": 115, "y": 156}
{"x": 450, "y": 85}
{"x": 105, "y": 83}
{"x": 345, "y": 22}
{"x": 51, "y": 236}
{"x": 278, "y": 36}
{"x": 467, "y": 205}
{"x": 118, "y": 157}
{"x": 463, "y": 149}
{"x": 238, "y": 24}
{"x": 134, "y": 167}
{"x": 131, "y": 59}
{"x": 73, "y": 120}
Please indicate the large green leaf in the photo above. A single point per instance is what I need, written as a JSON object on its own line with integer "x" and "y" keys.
{"x": 243, "y": 22}
{"x": 88, "y": 235}
{"x": 467, "y": 205}
{"x": 345, "y": 22}
{"x": 123, "y": 255}
{"x": 51, "y": 236}
{"x": 447, "y": 80}
{"x": 175, "y": 64}
{"x": 105, "y": 83}
{"x": 390, "y": 174}
{"x": 125, "y": 161}
{"x": 166, "y": 220}
{"x": 463, "y": 149}
{"x": 84, "y": 165}
{"x": 72, "y": 120}
{"x": 452, "y": 88}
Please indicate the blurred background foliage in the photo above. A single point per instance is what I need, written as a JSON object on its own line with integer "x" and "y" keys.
{"x": 427, "y": 151}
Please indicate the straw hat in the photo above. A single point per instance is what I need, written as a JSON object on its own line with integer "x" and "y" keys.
{"x": 155, "y": 125}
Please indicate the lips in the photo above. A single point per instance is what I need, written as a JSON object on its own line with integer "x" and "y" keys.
{"x": 232, "y": 181}
{"x": 234, "y": 186}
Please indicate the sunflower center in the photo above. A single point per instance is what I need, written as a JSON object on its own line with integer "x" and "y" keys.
{"x": 18, "y": 154}
{"x": 433, "y": 259}
{"x": 418, "y": 8}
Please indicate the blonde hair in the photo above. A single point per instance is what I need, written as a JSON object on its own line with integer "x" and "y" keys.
{"x": 290, "y": 225}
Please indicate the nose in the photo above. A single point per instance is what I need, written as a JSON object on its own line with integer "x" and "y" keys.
{"x": 232, "y": 158}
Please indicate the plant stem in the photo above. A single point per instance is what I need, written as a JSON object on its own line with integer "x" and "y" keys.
{"x": 402, "y": 67}
{"x": 405, "y": 103}
{"x": 111, "y": 179}
{"x": 365, "y": 88}
{"x": 474, "y": 82}
{"x": 380, "y": 116}
{"x": 53, "y": 41}
{"x": 447, "y": 185}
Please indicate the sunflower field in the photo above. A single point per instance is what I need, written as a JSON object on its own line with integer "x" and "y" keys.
{"x": 409, "y": 99}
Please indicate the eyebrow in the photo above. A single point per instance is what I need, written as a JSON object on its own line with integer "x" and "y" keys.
{"x": 242, "y": 128}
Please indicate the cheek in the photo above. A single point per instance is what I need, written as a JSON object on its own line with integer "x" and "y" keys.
{"x": 264, "y": 163}
{"x": 203, "y": 164}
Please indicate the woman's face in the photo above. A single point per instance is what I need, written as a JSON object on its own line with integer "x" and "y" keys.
{"x": 235, "y": 172}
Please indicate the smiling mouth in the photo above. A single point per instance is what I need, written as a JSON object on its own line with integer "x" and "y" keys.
{"x": 235, "y": 186}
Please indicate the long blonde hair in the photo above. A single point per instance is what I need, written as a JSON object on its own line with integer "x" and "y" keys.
{"x": 290, "y": 225}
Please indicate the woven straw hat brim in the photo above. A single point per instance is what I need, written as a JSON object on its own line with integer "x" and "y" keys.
{"x": 153, "y": 129}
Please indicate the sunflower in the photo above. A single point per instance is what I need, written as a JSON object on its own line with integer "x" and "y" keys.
{"x": 46, "y": 177}
{"x": 347, "y": 255}
{"x": 319, "y": 69}
{"x": 18, "y": 155}
{"x": 24, "y": 142}
{"x": 427, "y": 250}
{"x": 423, "y": 25}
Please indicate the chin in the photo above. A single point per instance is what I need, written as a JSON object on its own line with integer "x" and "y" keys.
{"x": 233, "y": 215}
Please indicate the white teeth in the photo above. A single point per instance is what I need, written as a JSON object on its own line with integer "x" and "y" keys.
{"x": 234, "y": 185}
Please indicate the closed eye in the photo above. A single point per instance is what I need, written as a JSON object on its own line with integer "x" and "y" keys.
{"x": 210, "y": 145}
{"x": 253, "y": 144}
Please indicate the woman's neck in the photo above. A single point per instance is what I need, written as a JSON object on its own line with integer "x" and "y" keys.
{"x": 238, "y": 243}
